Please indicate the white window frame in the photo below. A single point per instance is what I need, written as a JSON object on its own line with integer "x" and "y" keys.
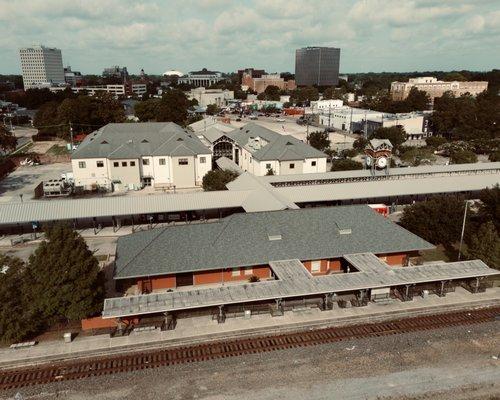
{"x": 185, "y": 161}
{"x": 82, "y": 164}
{"x": 203, "y": 160}
{"x": 162, "y": 161}
{"x": 235, "y": 272}
{"x": 99, "y": 162}
{"x": 249, "y": 271}
{"x": 316, "y": 266}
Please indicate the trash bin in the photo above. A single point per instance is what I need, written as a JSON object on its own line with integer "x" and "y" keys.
{"x": 67, "y": 337}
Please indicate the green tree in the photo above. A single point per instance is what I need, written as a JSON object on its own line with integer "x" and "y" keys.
{"x": 7, "y": 140}
{"x": 65, "y": 282}
{"x": 217, "y": 179}
{"x": 435, "y": 141}
{"x": 147, "y": 110}
{"x": 46, "y": 119}
{"x": 107, "y": 109}
{"x": 345, "y": 165}
{"x": 494, "y": 156}
{"x": 17, "y": 319}
{"x": 360, "y": 144}
{"x": 490, "y": 205}
{"x": 437, "y": 220}
{"x": 319, "y": 140}
{"x": 173, "y": 107}
{"x": 417, "y": 156}
{"x": 462, "y": 157}
{"x": 271, "y": 92}
{"x": 417, "y": 100}
{"x": 484, "y": 245}
{"x": 395, "y": 134}
{"x": 212, "y": 109}
{"x": 305, "y": 94}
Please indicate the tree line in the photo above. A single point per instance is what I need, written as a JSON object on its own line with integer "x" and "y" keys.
{"x": 61, "y": 282}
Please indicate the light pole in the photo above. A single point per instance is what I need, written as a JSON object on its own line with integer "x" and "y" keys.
{"x": 463, "y": 229}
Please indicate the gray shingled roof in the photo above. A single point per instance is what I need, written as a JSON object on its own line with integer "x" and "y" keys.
{"x": 243, "y": 240}
{"x": 133, "y": 140}
{"x": 279, "y": 147}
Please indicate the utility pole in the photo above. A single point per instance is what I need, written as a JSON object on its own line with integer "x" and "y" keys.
{"x": 463, "y": 230}
{"x": 71, "y": 135}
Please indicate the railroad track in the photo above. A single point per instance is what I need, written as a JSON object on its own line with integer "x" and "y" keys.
{"x": 78, "y": 369}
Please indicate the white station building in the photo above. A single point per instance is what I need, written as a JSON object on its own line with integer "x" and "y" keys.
{"x": 130, "y": 156}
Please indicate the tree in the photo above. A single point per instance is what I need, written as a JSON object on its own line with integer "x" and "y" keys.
{"x": 8, "y": 141}
{"x": 217, "y": 179}
{"x": 305, "y": 94}
{"x": 212, "y": 109}
{"x": 462, "y": 157}
{"x": 345, "y": 165}
{"x": 65, "y": 282}
{"x": 396, "y": 134}
{"x": 360, "y": 144}
{"x": 271, "y": 92}
{"x": 17, "y": 319}
{"x": 485, "y": 245}
{"x": 147, "y": 110}
{"x": 435, "y": 141}
{"x": 417, "y": 100}
{"x": 437, "y": 220}
{"x": 490, "y": 205}
{"x": 494, "y": 156}
{"x": 417, "y": 156}
{"x": 173, "y": 107}
{"x": 319, "y": 140}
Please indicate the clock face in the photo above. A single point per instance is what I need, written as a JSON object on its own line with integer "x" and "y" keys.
{"x": 368, "y": 161}
{"x": 382, "y": 162}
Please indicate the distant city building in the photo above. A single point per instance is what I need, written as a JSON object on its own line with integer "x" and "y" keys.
{"x": 203, "y": 78}
{"x": 254, "y": 73}
{"x": 205, "y": 97}
{"x": 129, "y": 88}
{"x": 435, "y": 88}
{"x": 259, "y": 85}
{"x": 115, "y": 72}
{"x": 41, "y": 66}
{"x": 326, "y": 105}
{"x": 129, "y": 156}
{"x": 173, "y": 73}
{"x": 317, "y": 66}
{"x": 72, "y": 78}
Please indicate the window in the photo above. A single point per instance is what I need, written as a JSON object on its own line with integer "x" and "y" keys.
{"x": 124, "y": 163}
{"x": 313, "y": 163}
{"x": 183, "y": 161}
{"x": 203, "y": 160}
{"x": 145, "y": 161}
{"x": 292, "y": 166}
{"x": 132, "y": 163}
{"x": 235, "y": 272}
{"x": 82, "y": 164}
{"x": 248, "y": 271}
{"x": 116, "y": 164}
{"x": 315, "y": 266}
{"x": 162, "y": 161}
{"x": 268, "y": 166}
{"x": 100, "y": 164}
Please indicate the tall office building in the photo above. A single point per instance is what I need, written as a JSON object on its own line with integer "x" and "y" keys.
{"x": 41, "y": 66}
{"x": 317, "y": 66}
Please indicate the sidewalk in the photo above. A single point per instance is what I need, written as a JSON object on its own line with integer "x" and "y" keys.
{"x": 199, "y": 329}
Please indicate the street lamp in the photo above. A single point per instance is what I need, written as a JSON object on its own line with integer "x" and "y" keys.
{"x": 463, "y": 229}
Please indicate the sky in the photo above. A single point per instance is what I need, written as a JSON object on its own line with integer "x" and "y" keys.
{"x": 226, "y": 35}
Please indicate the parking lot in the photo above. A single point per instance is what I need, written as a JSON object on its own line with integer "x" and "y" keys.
{"x": 25, "y": 179}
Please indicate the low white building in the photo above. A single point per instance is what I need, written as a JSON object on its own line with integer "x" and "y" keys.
{"x": 344, "y": 118}
{"x": 325, "y": 105}
{"x": 205, "y": 97}
{"x": 118, "y": 89}
{"x": 133, "y": 155}
{"x": 258, "y": 150}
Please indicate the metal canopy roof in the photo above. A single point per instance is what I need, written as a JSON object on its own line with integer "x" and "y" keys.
{"x": 295, "y": 281}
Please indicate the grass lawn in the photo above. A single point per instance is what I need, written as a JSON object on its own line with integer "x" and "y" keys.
{"x": 57, "y": 150}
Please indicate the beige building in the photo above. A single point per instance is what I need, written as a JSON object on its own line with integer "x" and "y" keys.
{"x": 259, "y": 85}
{"x": 435, "y": 88}
{"x": 205, "y": 97}
{"x": 130, "y": 156}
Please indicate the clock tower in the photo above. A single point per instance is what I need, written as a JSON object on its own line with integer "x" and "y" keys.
{"x": 378, "y": 155}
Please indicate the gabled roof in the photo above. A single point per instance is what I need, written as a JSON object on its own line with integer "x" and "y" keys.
{"x": 376, "y": 143}
{"x": 243, "y": 240}
{"x": 278, "y": 147}
{"x": 133, "y": 140}
{"x": 212, "y": 134}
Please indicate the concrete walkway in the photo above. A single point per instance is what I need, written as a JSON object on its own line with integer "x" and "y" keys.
{"x": 199, "y": 329}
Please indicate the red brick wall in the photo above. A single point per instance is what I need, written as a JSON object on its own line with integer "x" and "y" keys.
{"x": 154, "y": 283}
{"x": 393, "y": 259}
{"x": 325, "y": 266}
{"x": 216, "y": 276}
{"x": 98, "y": 323}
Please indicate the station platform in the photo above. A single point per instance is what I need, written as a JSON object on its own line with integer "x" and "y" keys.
{"x": 201, "y": 329}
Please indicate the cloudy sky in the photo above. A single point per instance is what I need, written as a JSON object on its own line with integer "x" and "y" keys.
{"x": 157, "y": 35}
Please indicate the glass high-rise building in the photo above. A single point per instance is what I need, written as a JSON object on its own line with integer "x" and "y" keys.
{"x": 317, "y": 66}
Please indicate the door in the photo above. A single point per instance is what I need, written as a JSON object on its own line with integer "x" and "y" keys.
{"x": 184, "y": 279}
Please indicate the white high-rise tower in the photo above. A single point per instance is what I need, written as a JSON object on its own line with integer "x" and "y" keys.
{"x": 41, "y": 66}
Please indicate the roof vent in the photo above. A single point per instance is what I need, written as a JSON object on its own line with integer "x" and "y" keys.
{"x": 103, "y": 142}
{"x": 129, "y": 141}
{"x": 144, "y": 141}
{"x": 273, "y": 238}
{"x": 180, "y": 139}
{"x": 343, "y": 230}
{"x": 289, "y": 143}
